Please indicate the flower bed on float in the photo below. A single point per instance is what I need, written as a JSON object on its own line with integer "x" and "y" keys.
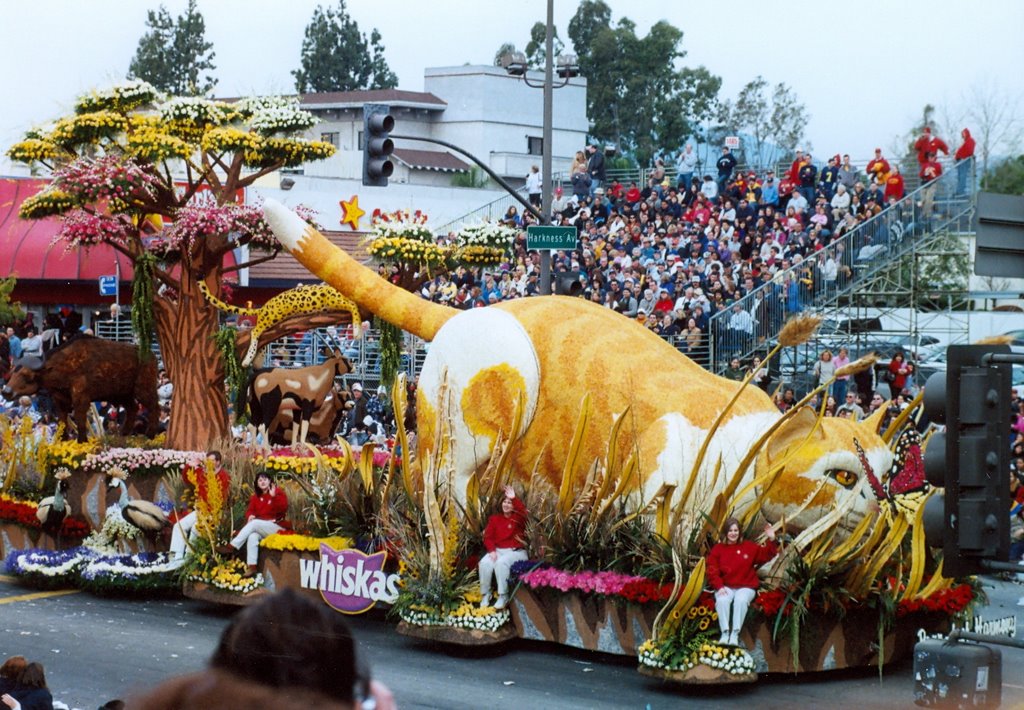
{"x": 142, "y": 574}
{"x": 23, "y": 514}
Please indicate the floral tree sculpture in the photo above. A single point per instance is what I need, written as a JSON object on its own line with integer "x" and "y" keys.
{"x": 403, "y": 241}
{"x": 159, "y": 179}
{"x": 413, "y": 255}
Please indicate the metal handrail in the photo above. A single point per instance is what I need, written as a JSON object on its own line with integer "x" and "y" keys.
{"x": 490, "y": 212}
{"x": 867, "y": 250}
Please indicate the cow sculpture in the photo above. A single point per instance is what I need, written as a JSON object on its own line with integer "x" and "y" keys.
{"x": 322, "y": 426}
{"x": 86, "y": 369}
{"x": 302, "y": 390}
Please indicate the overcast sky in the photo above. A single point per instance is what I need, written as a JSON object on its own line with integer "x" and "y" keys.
{"x": 864, "y": 68}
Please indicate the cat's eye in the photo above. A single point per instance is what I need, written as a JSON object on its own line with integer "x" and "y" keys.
{"x": 846, "y": 479}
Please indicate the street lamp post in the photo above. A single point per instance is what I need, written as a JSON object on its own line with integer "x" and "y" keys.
{"x": 515, "y": 64}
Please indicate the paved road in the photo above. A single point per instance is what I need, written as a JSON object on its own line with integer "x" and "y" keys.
{"x": 95, "y": 649}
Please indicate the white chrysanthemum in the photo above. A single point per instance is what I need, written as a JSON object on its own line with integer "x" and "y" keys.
{"x": 487, "y": 234}
{"x": 193, "y": 109}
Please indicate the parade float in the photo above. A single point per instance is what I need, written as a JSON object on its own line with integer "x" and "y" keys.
{"x": 628, "y": 456}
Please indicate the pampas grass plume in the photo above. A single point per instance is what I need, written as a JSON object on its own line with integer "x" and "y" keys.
{"x": 798, "y": 330}
{"x": 858, "y": 365}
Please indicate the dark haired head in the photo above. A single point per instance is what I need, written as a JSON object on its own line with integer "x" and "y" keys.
{"x": 215, "y": 455}
{"x": 728, "y": 524}
{"x": 291, "y": 641}
{"x": 33, "y": 676}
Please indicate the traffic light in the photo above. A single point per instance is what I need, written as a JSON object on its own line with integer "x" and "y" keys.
{"x": 377, "y": 144}
{"x": 970, "y": 518}
{"x": 567, "y": 283}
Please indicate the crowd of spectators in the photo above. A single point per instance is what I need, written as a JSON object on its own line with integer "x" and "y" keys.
{"x": 674, "y": 252}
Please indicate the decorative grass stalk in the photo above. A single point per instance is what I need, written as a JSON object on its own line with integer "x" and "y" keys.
{"x": 143, "y": 321}
{"x": 399, "y": 403}
{"x": 565, "y": 491}
{"x": 919, "y": 553}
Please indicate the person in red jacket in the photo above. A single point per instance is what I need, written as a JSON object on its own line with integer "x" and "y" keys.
{"x": 963, "y": 158}
{"x": 931, "y": 171}
{"x": 894, "y": 187}
{"x": 732, "y": 571}
{"x": 928, "y": 143}
{"x": 794, "y": 169}
{"x": 504, "y": 540}
{"x": 878, "y": 168}
{"x": 265, "y": 516}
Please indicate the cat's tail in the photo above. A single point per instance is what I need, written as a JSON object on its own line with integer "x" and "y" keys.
{"x": 395, "y": 305}
{"x": 221, "y": 305}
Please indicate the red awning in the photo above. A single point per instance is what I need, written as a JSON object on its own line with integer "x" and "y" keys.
{"x": 28, "y": 252}
{"x": 27, "y": 249}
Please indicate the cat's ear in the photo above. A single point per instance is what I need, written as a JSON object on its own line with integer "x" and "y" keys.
{"x": 874, "y": 422}
{"x": 792, "y": 433}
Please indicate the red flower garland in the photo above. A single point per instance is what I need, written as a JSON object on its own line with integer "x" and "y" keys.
{"x": 23, "y": 513}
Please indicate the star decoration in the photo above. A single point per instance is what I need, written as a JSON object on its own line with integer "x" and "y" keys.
{"x": 351, "y": 212}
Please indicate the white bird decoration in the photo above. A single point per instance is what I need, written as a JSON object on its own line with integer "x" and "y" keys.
{"x": 147, "y": 517}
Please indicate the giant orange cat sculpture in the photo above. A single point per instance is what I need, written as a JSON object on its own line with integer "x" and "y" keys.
{"x": 551, "y": 350}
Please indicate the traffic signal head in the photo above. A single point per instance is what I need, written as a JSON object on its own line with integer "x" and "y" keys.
{"x": 567, "y": 284}
{"x": 969, "y": 517}
{"x": 377, "y": 144}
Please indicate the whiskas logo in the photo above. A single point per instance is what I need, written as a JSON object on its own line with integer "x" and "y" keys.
{"x": 350, "y": 581}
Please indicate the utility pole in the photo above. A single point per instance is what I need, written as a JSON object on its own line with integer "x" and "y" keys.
{"x": 546, "y": 188}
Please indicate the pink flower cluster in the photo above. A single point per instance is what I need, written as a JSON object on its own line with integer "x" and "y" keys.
{"x": 606, "y": 583}
{"x": 81, "y": 228}
{"x": 109, "y": 177}
{"x": 142, "y": 461}
{"x": 197, "y": 222}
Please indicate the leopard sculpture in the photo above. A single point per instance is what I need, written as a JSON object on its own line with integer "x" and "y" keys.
{"x": 316, "y": 298}
{"x": 548, "y": 352}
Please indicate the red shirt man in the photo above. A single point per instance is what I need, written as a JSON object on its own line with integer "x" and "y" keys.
{"x": 930, "y": 169}
{"x": 928, "y": 143}
{"x": 879, "y": 167}
{"x": 966, "y": 149}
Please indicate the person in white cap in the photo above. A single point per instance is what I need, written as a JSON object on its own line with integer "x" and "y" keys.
{"x": 374, "y": 430}
{"x": 354, "y": 420}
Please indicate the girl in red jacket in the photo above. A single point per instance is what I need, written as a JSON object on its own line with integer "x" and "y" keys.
{"x": 504, "y": 540}
{"x": 265, "y": 516}
{"x": 732, "y": 569}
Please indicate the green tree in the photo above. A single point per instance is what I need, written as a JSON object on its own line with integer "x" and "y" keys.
{"x": 637, "y": 95}
{"x": 772, "y": 117}
{"x": 1006, "y": 178}
{"x": 336, "y": 56}
{"x": 535, "y": 48}
{"x": 10, "y": 311}
{"x": 174, "y": 55}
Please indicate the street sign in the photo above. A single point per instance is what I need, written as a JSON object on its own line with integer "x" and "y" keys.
{"x": 108, "y": 285}
{"x": 551, "y": 238}
{"x": 732, "y": 142}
